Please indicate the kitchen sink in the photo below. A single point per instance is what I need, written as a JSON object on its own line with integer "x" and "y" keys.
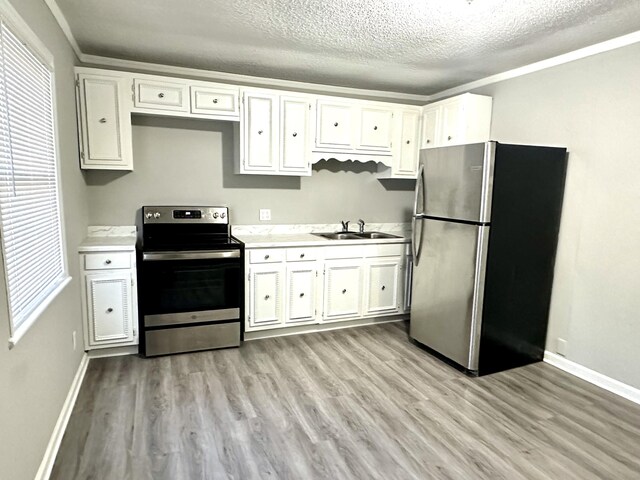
{"x": 355, "y": 236}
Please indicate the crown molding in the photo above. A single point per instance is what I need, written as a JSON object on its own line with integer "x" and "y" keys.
{"x": 589, "y": 51}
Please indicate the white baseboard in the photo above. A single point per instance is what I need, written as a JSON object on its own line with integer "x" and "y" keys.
{"x": 61, "y": 425}
{"x": 113, "y": 352}
{"x": 591, "y": 376}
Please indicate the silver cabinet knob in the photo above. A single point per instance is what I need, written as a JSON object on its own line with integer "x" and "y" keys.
{"x": 161, "y": 95}
{"x": 335, "y": 124}
{"x": 375, "y": 127}
{"x": 109, "y": 310}
{"x": 103, "y": 120}
{"x": 301, "y": 295}
{"x": 383, "y": 287}
{"x": 344, "y": 291}
{"x": 302, "y": 255}
{"x": 215, "y": 100}
{"x": 107, "y": 261}
{"x": 259, "y": 132}
{"x": 409, "y": 141}
{"x": 428, "y": 141}
{"x": 295, "y": 134}
{"x": 449, "y": 137}
{"x": 266, "y": 297}
{"x": 266, "y": 257}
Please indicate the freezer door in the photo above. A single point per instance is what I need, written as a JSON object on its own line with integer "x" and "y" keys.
{"x": 458, "y": 182}
{"x": 448, "y": 288}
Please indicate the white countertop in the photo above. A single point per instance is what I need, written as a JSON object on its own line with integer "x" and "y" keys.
{"x": 109, "y": 239}
{"x": 310, "y": 240}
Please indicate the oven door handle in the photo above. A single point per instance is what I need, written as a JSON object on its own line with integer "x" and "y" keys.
{"x": 159, "y": 256}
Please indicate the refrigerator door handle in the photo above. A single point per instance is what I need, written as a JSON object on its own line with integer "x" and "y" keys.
{"x": 415, "y": 241}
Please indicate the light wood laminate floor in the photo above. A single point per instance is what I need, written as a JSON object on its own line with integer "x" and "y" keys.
{"x": 362, "y": 403}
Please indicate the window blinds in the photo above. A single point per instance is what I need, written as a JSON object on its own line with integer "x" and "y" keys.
{"x": 30, "y": 219}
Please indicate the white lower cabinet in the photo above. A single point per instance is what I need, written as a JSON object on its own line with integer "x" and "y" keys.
{"x": 109, "y": 300}
{"x": 265, "y": 295}
{"x": 342, "y": 289}
{"x": 301, "y": 292}
{"x": 324, "y": 284}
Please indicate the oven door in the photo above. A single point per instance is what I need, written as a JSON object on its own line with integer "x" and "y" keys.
{"x": 190, "y": 287}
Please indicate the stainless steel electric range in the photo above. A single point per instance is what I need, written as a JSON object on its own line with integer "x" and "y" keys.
{"x": 190, "y": 281}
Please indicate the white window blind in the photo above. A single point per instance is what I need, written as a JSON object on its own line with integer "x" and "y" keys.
{"x": 30, "y": 219}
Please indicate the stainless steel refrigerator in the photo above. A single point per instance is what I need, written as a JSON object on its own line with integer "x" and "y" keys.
{"x": 485, "y": 229}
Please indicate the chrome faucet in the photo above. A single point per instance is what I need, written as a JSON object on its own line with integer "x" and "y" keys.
{"x": 345, "y": 225}
{"x": 361, "y": 225}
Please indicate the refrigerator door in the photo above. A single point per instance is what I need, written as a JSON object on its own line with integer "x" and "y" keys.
{"x": 458, "y": 182}
{"x": 448, "y": 288}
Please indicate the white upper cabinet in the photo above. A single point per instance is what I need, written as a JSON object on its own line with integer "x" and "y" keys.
{"x": 456, "y": 121}
{"x": 259, "y": 132}
{"x": 274, "y": 133}
{"x": 375, "y": 129}
{"x": 294, "y": 135}
{"x": 161, "y": 95}
{"x": 217, "y": 101}
{"x": 334, "y": 125}
{"x": 104, "y": 123}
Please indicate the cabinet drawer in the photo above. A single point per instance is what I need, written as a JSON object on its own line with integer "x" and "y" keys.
{"x": 214, "y": 101}
{"x": 161, "y": 95}
{"x": 105, "y": 261}
{"x": 301, "y": 254}
{"x": 266, "y": 256}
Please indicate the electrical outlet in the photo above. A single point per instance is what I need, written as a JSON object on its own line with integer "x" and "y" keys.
{"x": 73, "y": 339}
{"x": 265, "y": 214}
{"x": 561, "y": 347}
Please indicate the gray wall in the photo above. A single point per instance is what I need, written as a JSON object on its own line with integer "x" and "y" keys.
{"x": 590, "y": 106}
{"x": 35, "y": 376}
{"x": 185, "y": 161}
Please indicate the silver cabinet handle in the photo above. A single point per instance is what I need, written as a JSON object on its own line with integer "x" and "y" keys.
{"x": 215, "y": 100}
{"x": 383, "y": 287}
{"x": 335, "y": 124}
{"x": 344, "y": 291}
{"x": 302, "y": 255}
{"x": 196, "y": 255}
{"x": 109, "y": 310}
{"x": 375, "y": 127}
{"x": 266, "y": 257}
{"x": 103, "y": 120}
{"x": 107, "y": 261}
{"x": 295, "y": 134}
{"x": 266, "y": 297}
{"x": 161, "y": 95}
{"x": 259, "y": 132}
{"x": 301, "y": 295}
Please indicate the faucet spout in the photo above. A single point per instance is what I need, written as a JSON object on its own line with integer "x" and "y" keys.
{"x": 345, "y": 225}
{"x": 361, "y": 225}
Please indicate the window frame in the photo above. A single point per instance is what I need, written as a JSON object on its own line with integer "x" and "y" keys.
{"x": 32, "y": 42}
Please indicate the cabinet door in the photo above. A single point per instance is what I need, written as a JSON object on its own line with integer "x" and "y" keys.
{"x": 334, "y": 125}
{"x": 259, "y": 128}
{"x": 294, "y": 135}
{"x": 265, "y": 295}
{"x": 375, "y": 129}
{"x": 383, "y": 284}
{"x": 407, "y": 163}
{"x": 300, "y": 294}
{"x": 452, "y": 115}
{"x": 109, "y": 308}
{"x": 343, "y": 289}
{"x": 104, "y": 123}
{"x": 161, "y": 95}
{"x": 430, "y": 123}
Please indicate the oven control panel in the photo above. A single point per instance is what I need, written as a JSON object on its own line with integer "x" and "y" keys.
{"x": 218, "y": 215}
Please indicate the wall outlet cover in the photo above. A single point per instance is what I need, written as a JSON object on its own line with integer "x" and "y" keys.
{"x": 265, "y": 214}
{"x": 561, "y": 347}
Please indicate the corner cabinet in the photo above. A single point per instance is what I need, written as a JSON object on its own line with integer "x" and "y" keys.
{"x": 104, "y": 122}
{"x": 274, "y": 134}
{"x": 109, "y": 299}
{"x": 456, "y": 121}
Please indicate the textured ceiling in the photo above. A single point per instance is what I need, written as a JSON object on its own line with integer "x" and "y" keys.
{"x": 410, "y": 46}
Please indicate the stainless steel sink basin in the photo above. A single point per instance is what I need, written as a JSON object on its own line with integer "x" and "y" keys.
{"x": 355, "y": 236}
{"x": 339, "y": 236}
{"x": 376, "y": 235}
